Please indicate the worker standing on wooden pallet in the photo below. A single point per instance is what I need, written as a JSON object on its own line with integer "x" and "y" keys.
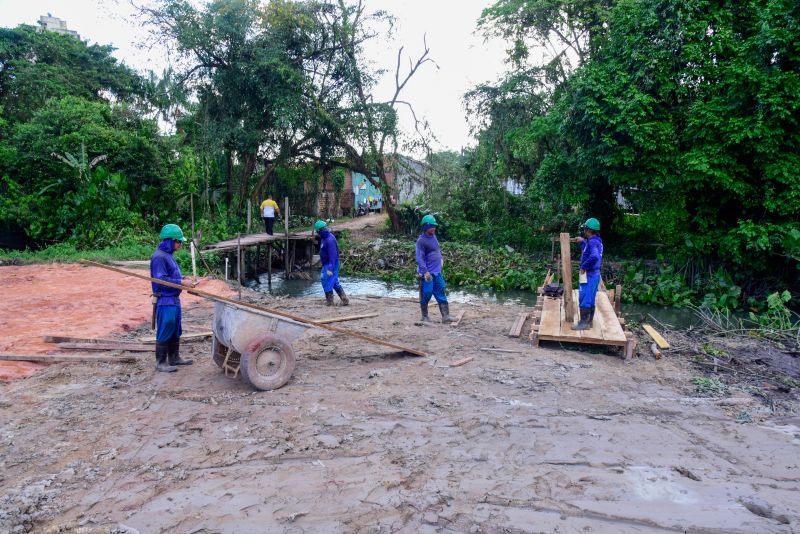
{"x": 329, "y": 257}
{"x": 591, "y": 260}
{"x": 268, "y": 210}
{"x": 167, "y": 300}
{"x": 429, "y": 270}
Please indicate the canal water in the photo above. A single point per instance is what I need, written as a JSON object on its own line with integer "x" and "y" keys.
{"x": 677, "y": 318}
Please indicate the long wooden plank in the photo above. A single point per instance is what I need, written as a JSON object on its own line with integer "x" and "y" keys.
{"x": 71, "y": 339}
{"x": 196, "y": 336}
{"x": 217, "y": 298}
{"x": 348, "y": 318}
{"x": 551, "y": 318}
{"x": 566, "y": 271}
{"x": 658, "y": 338}
{"x": 566, "y": 330}
{"x": 519, "y": 322}
{"x": 612, "y": 329}
{"x": 133, "y": 347}
{"x": 59, "y": 358}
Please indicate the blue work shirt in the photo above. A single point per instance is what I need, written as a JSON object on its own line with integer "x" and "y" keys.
{"x": 592, "y": 254}
{"x": 164, "y": 267}
{"x": 328, "y": 250}
{"x": 429, "y": 255}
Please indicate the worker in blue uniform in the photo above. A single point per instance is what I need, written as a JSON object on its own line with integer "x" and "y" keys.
{"x": 167, "y": 300}
{"x": 591, "y": 261}
{"x": 429, "y": 270}
{"x": 329, "y": 257}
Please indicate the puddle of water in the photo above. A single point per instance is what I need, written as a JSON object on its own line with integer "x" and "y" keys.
{"x": 354, "y": 285}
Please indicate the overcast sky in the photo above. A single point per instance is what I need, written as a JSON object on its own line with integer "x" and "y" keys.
{"x": 463, "y": 58}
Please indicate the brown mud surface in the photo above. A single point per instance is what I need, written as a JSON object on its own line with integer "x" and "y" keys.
{"x": 537, "y": 440}
{"x": 70, "y": 300}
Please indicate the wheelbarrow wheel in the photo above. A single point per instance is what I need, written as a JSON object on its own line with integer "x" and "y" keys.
{"x": 268, "y": 362}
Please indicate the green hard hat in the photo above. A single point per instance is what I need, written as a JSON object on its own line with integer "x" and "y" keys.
{"x": 429, "y": 219}
{"x": 592, "y": 224}
{"x": 319, "y": 225}
{"x": 172, "y": 231}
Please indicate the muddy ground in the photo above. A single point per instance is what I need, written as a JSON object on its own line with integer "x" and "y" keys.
{"x": 538, "y": 440}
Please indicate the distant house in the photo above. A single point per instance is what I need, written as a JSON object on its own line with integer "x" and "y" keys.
{"x": 408, "y": 176}
{"x": 57, "y": 25}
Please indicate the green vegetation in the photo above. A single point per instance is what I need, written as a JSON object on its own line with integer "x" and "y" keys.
{"x": 709, "y": 387}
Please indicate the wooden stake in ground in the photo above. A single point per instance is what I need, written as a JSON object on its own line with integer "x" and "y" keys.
{"x": 566, "y": 277}
{"x": 247, "y": 305}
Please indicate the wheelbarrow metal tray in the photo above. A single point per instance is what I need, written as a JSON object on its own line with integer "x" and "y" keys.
{"x": 235, "y": 327}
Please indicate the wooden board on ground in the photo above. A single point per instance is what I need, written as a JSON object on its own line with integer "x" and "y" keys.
{"x": 60, "y": 358}
{"x": 459, "y": 363}
{"x": 459, "y": 316}
{"x": 555, "y": 326}
{"x": 132, "y": 347}
{"x": 347, "y": 318}
{"x": 519, "y": 322}
{"x": 658, "y": 338}
{"x": 71, "y": 339}
{"x": 184, "y": 337}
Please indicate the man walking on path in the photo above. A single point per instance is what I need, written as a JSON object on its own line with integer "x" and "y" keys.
{"x": 329, "y": 257}
{"x": 268, "y": 210}
{"x": 167, "y": 300}
{"x": 591, "y": 260}
{"x": 429, "y": 270}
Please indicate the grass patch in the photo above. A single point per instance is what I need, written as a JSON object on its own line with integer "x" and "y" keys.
{"x": 709, "y": 387}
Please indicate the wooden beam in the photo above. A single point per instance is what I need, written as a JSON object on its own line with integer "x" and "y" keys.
{"x": 61, "y": 358}
{"x": 519, "y": 322}
{"x": 617, "y": 299}
{"x": 658, "y": 338}
{"x": 459, "y": 316}
{"x": 347, "y": 318}
{"x": 566, "y": 271}
{"x": 70, "y": 339}
{"x": 247, "y": 305}
{"x": 184, "y": 337}
{"x": 133, "y": 347}
{"x": 459, "y": 363}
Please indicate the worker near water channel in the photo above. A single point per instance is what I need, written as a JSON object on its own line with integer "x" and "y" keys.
{"x": 429, "y": 270}
{"x": 329, "y": 257}
{"x": 268, "y": 210}
{"x": 591, "y": 261}
{"x": 166, "y": 300}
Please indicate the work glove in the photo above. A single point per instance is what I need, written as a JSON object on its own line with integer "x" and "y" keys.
{"x": 329, "y": 273}
{"x": 428, "y": 277}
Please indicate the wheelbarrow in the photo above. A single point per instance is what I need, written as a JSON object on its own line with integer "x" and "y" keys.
{"x": 254, "y": 344}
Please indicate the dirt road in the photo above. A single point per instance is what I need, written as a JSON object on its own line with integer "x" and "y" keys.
{"x": 70, "y": 300}
{"x": 539, "y": 440}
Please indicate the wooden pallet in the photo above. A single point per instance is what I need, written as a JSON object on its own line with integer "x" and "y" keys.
{"x": 607, "y": 329}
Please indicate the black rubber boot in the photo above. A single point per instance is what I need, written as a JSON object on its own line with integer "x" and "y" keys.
{"x": 424, "y": 309}
{"x": 162, "y": 351}
{"x": 329, "y": 298}
{"x": 444, "y": 308}
{"x": 343, "y": 296}
{"x": 174, "y": 354}
{"x": 591, "y": 317}
{"x": 583, "y": 324}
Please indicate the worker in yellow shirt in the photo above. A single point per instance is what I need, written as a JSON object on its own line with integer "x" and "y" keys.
{"x": 269, "y": 208}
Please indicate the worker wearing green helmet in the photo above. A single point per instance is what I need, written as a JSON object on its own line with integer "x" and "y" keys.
{"x": 591, "y": 261}
{"x": 329, "y": 257}
{"x": 429, "y": 270}
{"x": 166, "y": 300}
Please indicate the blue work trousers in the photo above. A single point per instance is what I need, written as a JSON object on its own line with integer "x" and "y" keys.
{"x": 434, "y": 288}
{"x": 168, "y": 323}
{"x": 329, "y": 283}
{"x": 588, "y": 291}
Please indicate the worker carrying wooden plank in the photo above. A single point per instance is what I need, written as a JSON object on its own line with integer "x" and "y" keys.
{"x": 429, "y": 270}
{"x": 591, "y": 261}
{"x": 329, "y": 257}
{"x": 166, "y": 300}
